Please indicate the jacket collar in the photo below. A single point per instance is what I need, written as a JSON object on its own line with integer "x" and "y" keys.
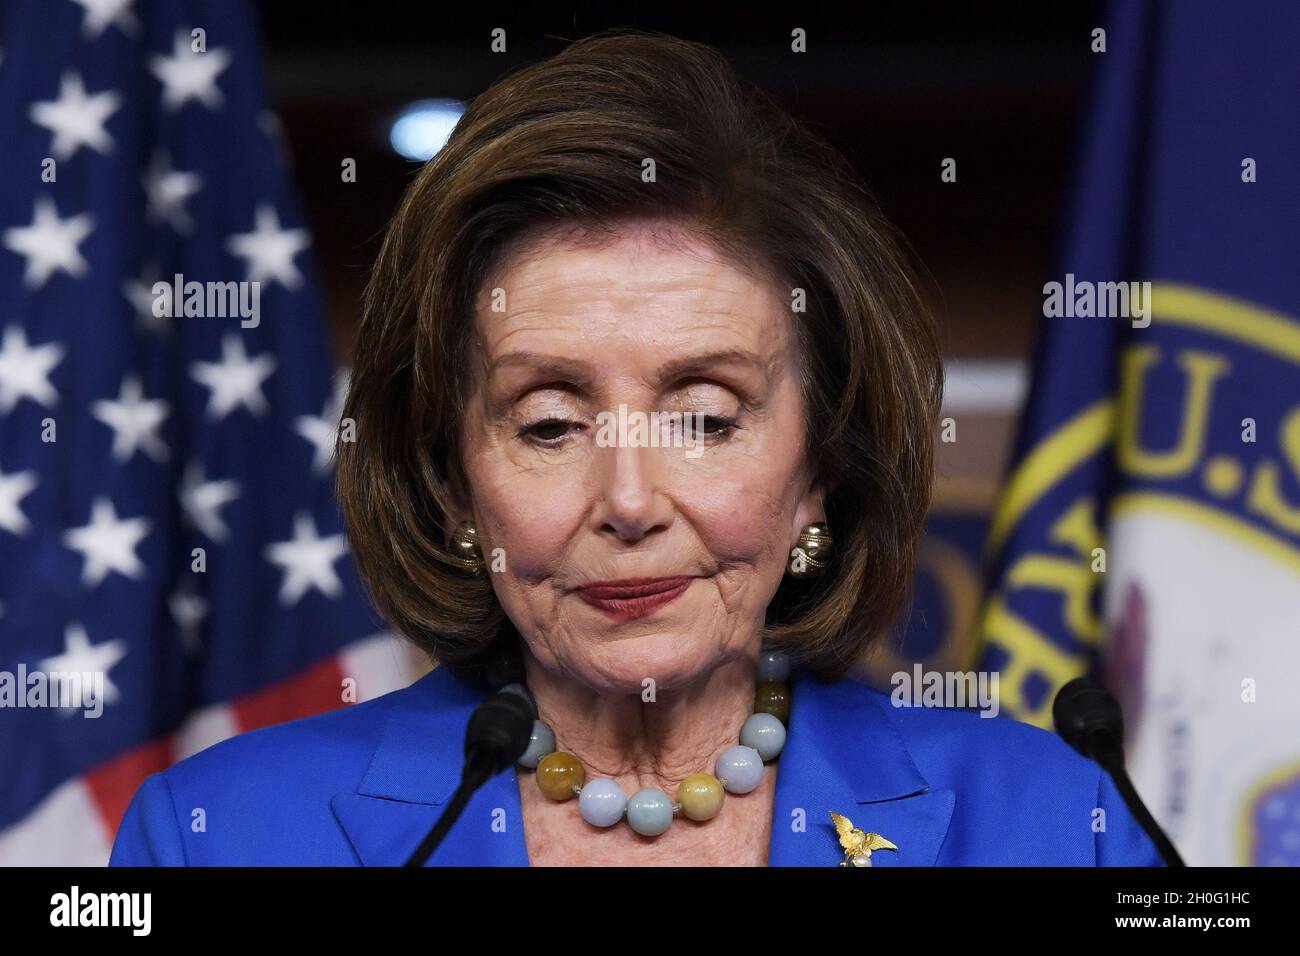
{"x": 414, "y": 773}
{"x": 845, "y": 753}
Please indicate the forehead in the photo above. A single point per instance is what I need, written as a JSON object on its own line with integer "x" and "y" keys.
{"x": 651, "y": 285}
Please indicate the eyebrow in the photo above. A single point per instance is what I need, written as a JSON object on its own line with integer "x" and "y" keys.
{"x": 674, "y": 368}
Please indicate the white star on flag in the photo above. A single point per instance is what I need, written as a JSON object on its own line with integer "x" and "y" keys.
{"x": 139, "y": 292}
{"x": 50, "y": 243}
{"x": 167, "y": 190}
{"x": 235, "y": 380}
{"x": 76, "y": 119}
{"x": 135, "y": 421}
{"x": 188, "y": 611}
{"x": 203, "y": 499}
{"x": 307, "y": 560}
{"x": 269, "y": 250}
{"x": 100, "y": 13}
{"x": 188, "y": 75}
{"x": 81, "y": 657}
{"x": 108, "y": 544}
{"x": 25, "y": 371}
{"x": 13, "y": 488}
{"x": 323, "y": 431}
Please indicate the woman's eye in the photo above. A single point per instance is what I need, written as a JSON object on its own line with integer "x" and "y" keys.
{"x": 552, "y": 432}
{"x": 548, "y": 431}
{"x": 713, "y": 426}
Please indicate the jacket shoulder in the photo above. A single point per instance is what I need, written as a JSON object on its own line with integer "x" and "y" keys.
{"x": 947, "y": 742}
{"x": 331, "y": 743}
{"x": 242, "y": 797}
{"x": 1023, "y": 795}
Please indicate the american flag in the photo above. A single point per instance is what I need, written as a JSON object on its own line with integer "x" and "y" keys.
{"x": 167, "y": 518}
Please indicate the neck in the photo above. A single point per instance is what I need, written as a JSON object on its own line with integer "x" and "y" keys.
{"x": 646, "y": 743}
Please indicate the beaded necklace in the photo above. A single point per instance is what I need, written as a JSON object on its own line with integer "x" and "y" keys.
{"x": 650, "y": 811}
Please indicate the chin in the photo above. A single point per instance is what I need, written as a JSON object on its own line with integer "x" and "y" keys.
{"x": 667, "y": 658}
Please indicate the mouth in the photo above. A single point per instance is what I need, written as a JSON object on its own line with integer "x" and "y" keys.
{"x": 630, "y": 598}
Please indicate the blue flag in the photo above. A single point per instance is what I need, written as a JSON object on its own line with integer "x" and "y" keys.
{"x": 1150, "y": 528}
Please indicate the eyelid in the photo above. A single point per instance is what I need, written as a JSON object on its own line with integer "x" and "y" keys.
{"x": 524, "y": 433}
{"x": 673, "y": 385}
{"x": 515, "y": 396}
{"x": 519, "y": 411}
{"x": 694, "y": 381}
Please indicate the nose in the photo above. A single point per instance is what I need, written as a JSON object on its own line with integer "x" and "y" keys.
{"x": 632, "y": 503}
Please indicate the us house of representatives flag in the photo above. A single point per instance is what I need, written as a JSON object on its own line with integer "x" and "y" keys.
{"x": 167, "y": 523}
{"x": 1150, "y": 527}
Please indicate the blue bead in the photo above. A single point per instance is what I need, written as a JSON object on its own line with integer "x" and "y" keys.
{"x": 601, "y": 802}
{"x": 739, "y": 769}
{"x": 540, "y": 744}
{"x": 774, "y": 666}
{"x": 649, "y": 812}
{"x": 764, "y": 733}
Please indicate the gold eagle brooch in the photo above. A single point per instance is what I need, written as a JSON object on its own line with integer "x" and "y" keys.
{"x": 857, "y": 845}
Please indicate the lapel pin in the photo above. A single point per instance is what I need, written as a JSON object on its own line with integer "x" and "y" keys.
{"x": 857, "y": 845}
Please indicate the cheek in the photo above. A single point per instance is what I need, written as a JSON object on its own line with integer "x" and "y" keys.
{"x": 743, "y": 517}
{"x": 530, "y": 515}
{"x": 743, "y": 501}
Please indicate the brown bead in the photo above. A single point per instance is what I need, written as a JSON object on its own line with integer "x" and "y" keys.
{"x": 700, "y": 795}
{"x": 773, "y": 698}
{"x": 558, "y": 773}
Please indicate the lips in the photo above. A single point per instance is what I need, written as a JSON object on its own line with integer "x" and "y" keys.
{"x": 631, "y": 588}
{"x": 629, "y": 598}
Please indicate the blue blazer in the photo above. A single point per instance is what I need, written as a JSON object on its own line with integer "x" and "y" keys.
{"x": 363, "y": 785}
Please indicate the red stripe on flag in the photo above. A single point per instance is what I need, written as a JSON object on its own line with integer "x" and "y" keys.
{"x": 319, "y": 688}
{"x": 114, "y": 783}
{"x": 313, "y": 691}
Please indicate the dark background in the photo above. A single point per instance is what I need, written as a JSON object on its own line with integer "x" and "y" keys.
{"x": 896, "y": 86}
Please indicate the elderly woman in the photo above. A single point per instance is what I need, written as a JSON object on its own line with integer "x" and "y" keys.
{"x": 624, "y": 229}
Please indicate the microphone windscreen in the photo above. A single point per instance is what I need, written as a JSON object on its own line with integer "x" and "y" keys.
{"x": 501, "y": 727}
{"x": 523, "y": 691}
{"x": 1087, "y": 716}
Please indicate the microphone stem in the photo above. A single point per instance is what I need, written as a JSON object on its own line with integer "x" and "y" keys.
{"x": 1113, "y": 763}
{"x": 478, "y": 769}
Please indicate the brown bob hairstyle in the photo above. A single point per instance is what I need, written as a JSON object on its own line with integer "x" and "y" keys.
{"x": 563, "y": 143}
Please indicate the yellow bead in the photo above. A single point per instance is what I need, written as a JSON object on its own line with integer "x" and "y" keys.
{"x": 773, "y": 698}
{"x": 700, "y": 795}
{"x": 558, "y": 773}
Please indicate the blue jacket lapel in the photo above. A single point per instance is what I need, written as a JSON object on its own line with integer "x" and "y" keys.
{"x": 844, "y": 753}
{"x": 415, "y": 771}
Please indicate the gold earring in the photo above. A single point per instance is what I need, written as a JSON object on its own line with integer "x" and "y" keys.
{"x": 465, "y": 550}
{"x": 811, "y": 556}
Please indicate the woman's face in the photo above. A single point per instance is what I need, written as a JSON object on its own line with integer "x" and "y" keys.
{"x": 655, "y": 326}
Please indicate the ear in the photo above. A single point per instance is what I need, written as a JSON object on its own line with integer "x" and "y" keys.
{"x": 811, "y": 508}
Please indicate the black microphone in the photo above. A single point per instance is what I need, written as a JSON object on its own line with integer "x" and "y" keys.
{"x": 1089, "y": 719}
{"x": 496, "y": 737}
